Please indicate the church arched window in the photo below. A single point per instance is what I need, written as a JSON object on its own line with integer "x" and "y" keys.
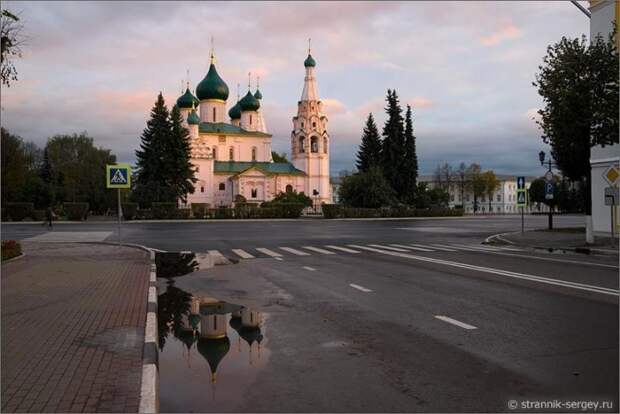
{"x": 302, "y": 144}
{"x": 214, "y": 153}
{"x": 222, "y": 187}
{"x": 325, "y": 145}
{"x": 314, "y": 144}
{"x": 253, "y": 153}
{"x": 289, "y": 188}
{"x": 213, "y": 114}
{"x": 250, "y": 119}
{"x": 231, "y": 154}
{"x": 314, "y": 125}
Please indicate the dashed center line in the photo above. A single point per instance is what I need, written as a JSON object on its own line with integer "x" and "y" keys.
{"x": 455, "y": 322}
{"x": 358, "y": 287}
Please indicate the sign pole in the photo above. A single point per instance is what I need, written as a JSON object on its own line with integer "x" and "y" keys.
{"x": 522, "y": 224}
{"x": 119, "y": 215}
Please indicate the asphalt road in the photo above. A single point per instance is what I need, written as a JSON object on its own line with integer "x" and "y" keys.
{"x": 415, "y": 316}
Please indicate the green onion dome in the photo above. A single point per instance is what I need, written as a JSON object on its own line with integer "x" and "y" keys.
{"x": 249, "y": 102}
{"x": 309, "y": 61}
{"x": 235, "y": 111}
{"x": 187, "y": 100}
{"x": 193, "y": 118}
{"x": 258, "y": 95}
{"x": 212, "y": 86}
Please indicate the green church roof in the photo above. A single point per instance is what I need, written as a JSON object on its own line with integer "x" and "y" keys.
{"x": 187, "y": 100}
{"x": 235, "y": 112}
{"x": 212, "y": 86}
{"x": 235, "y": 167}
{"x": 309, "y": 61}
{"x": 249, "y": 102}
{"x": 193, "y": 118}
{"x": 258, "y": 95}
{"x": 220, "y": 128}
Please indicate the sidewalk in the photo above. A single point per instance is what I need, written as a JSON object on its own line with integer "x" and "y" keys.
{"x": 568, "y": 239}
{"x": 73, "y": 319}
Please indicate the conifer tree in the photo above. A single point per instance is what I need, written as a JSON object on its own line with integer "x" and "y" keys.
{"x": 150, "y": 181}
{"x": 410, "y": 165}
{"x": 181, "y": 172}
{"x": 393, "y": 144}
{"x": 369, "y": 153}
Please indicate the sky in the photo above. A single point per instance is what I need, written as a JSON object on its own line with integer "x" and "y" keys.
{"x": 466, "y": 68}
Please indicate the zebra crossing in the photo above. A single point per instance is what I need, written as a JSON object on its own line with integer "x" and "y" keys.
{"x": 280, "y": 252}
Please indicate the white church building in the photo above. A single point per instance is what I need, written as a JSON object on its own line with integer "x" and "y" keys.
{"x": 231, "y": 147}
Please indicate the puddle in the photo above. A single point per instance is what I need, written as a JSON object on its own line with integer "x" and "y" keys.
{"x": 172, "y": 264}
{"x": 210, "y": 350}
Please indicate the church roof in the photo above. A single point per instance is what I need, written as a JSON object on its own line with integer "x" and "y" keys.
{"x": 249, "y": 102}
{"x": 212, "y": 86}
{"x": 220, "y": 128}
{"x": 187, "y": 100}
{"x": 193, "y": 118}
{"x": 237, "y": 167}
{"x": 309, "y": 61}
{"x": 235, "y": 112}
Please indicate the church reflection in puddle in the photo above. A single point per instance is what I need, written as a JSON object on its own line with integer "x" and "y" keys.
{"x": 210, "y": 351}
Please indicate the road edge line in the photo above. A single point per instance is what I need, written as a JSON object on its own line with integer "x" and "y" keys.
{"x": 149, "y": 386}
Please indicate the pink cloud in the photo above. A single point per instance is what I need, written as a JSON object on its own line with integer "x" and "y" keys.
{"x": 420, "y": 102}
{"x": 506, "y": 32}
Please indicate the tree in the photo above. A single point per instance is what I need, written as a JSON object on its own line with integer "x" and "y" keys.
{"x": 367, "y": 189}
{"x": 476, "y": 183}
{"x": 290, "y": 197}
{"x": 369, "y": 153}
{"x": 14, "y": 166}
{"x": 279, "y": 157}
{"x": 578, "y": 82}
{"x": 410, "y": 164}
{"x": 181, "y": 174}
{"x": 461, "y": 174}
{"x": 393, "y": 144}
{"x": 150, "y": 181}
{"x": 444, "y": 175}
{"x": 492, "y": 183}
{"x": 436, "y": 197}
{"x": 11, "y": 40}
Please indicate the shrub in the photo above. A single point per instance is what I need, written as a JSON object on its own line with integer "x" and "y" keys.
{"x": 163, "y": 210}
{"x": 76, "y": 211}
{"x": 130, "y": 210}
{"x": 38, "y": 215}
{"x": 19, "y": 211}
{"x": 144, "y": 214}
{"x": 10, "y": 249}
{"x": 182, "y": 213}
{"x": 331, "y": 211}
{"x": 223, "y": 213}
{"x": 199, "y": 210}
{"x": 240, "y": 199}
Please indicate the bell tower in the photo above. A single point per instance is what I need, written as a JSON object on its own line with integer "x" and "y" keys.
{"x": 310, "y": 140}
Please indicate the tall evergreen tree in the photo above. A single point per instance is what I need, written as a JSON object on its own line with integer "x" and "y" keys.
{"x": 181, "y": 178}
{"x": 393, "y": 144}
{"x": 150, "y": 182}
{"x": 410, "y": 164}
{"x": 369, "y": 153}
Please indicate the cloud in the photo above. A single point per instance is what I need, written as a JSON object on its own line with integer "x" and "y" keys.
{"x": 420, "y": 102}
{"x": 506, "y": 32}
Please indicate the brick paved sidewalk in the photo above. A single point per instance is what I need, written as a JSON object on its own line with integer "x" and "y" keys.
{"x": 73, "y": 328}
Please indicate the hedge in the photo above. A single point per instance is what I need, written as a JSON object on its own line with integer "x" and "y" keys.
{"x": 130, "y": 210}
{"x": 331, "y": 211}
{"x": 199, "y": 210}
{"x": 38, "y": 215}
{"x": 19, "y": 211}
{"x": 10, "y": 249}
{"x": 76, "y": 211}
{"x": 164, "y": 210}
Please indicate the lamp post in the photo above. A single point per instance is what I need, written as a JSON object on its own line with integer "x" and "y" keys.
{"x": 548, "y": 178}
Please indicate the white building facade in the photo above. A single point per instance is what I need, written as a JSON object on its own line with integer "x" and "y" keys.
{"x": 231, "y": 150}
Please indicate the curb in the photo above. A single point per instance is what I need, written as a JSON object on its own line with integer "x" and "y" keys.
{"x": 580, "y": 250}
{"x": 12, "y": 259}
{"x": 149, "y": 389}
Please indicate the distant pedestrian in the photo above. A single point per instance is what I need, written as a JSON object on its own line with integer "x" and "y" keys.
{"x": 49, "y": 215}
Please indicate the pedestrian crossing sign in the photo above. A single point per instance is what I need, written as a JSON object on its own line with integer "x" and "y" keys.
{"x": 118, "y": 176}
{"x": 521, "y": 198}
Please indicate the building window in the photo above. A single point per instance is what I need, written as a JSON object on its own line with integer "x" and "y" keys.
{"x": 197, "y": 169}
{"x": 254, "y": 193}
{"x": 213, "y": 114}
{"x": 302, "y": 124}
{"x": 253, "y": 153}
{"x": 214, "y": 153}
{"x": 222, "y": 187}
{"x": 314, "y": 144}
{"x": 499, "y": 197}
{"x": 451, "y": 197}
{"x": 467, "y": 198}
{"x": 314, "y": 125}
{"x": 302, "y": 144}
{"x": 231, "y": 154}
{"x": 202, "y": 189}
{"x": 289, "y": 188}
{"x": 324, "y": 145}
{"x": 250, "y": 119}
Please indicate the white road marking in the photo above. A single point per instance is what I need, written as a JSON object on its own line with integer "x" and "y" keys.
{"x": 342, "y": 249}
{"x": 455, "y": 247}
{"x": 268, "y": 252}
{"x": 242, "y": 253}
{"x": 539, "y": 279}
{"x": 214, "y": 253}
{"x": 71, "y": 236}
{"x": 358, "y": 287}
{"x": 455, "y": 322}
{"x": 152, "y": 294}
{"x": 316, "y": 249}
{"x": 294, "y": 251}
{"x": 420, "y": 249}
{"x": 443, "y": 249}
{"x": 310, "y": 269}
{"x": 387, "y": 247}
{"x": 278, "y": 258}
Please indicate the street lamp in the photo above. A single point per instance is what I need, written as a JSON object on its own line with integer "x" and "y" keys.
{"x": 548, "y": 178}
